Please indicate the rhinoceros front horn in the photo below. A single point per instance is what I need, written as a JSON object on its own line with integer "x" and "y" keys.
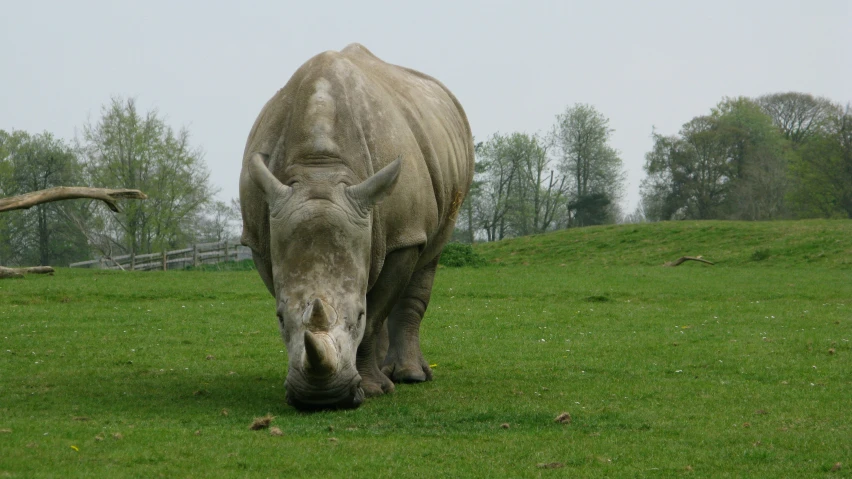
{"x": 320, "y": 354}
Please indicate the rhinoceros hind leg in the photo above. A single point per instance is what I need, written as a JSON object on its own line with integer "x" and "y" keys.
{"x": 404, "y": 362}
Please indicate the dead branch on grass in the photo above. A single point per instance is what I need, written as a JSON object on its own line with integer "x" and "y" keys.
{"x": 684, "y": 259}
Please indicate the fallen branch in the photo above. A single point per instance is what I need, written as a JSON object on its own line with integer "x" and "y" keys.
{"x": 108, "y": 196}
{"x": 19, "y": 272}
{"x": 683, "y": 259}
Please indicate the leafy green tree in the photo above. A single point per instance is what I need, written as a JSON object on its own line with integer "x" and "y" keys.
{"x": 129, "y": 149}
{"x": 40, "y": 235}
{"x": 538, "y": 189}
{"x": 822, "y": 171}
{"x": 689, "y": 175}
{"x": 731, "y": 163}
{"x": 593, "y": 167}
{"x": 499, "y": 169}
{"x": 517, "y": 191}
{"x": 7, "y": 188}
{"x": 758, "y": 156}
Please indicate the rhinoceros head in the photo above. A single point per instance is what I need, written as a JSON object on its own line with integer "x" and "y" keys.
{"x": 320, "y": 242}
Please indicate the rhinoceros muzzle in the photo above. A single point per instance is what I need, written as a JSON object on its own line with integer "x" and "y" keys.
{"x": 320, "y": 378}
{"x": 309, "y": 397}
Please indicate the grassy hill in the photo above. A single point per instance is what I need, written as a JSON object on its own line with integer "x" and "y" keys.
{"x": 731, "y": 243}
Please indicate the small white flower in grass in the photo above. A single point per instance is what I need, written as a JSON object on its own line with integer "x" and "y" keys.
{"x": 679, "y": 371}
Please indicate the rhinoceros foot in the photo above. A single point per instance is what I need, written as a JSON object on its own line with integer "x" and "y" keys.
{"x": 411, "y": 371}
{"x": 376, "y": 384}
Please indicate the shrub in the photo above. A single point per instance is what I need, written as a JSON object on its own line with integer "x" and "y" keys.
{"x": 456, "y": 255}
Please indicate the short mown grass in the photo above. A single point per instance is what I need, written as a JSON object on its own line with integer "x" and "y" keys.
{"x": 743, "y": 369}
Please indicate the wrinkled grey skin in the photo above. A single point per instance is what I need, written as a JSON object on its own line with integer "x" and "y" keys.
{"x": 351, "y": 182}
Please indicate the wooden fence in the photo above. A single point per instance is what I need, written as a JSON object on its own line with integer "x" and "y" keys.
{"x": 197, "y": 254}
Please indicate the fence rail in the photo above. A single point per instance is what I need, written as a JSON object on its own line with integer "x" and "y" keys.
{"x": 197, "y": 254}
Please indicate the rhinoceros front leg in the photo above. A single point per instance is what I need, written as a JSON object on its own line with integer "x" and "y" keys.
{"x": 404, "y": 361}
{"x": 380, "y": 300}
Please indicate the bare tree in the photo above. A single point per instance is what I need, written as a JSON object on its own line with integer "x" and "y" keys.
{"x": 799, "y": 116}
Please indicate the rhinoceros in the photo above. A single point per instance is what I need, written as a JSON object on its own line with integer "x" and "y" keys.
{"x": 352, "y": 178}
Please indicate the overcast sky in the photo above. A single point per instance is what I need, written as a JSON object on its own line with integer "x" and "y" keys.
{"x": 210, "y": 66}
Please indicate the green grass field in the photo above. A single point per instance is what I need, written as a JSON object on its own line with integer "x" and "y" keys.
{"x": 743, "y": 369}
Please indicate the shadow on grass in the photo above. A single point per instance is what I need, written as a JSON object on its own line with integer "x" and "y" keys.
{"x": 145, "y": 394}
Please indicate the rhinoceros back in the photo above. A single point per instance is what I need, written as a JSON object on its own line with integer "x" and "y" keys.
{"x": 351, "y": 107}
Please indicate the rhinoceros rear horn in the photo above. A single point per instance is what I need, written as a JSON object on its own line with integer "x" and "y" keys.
{"x": 265, "y": 180}
{"x": 375, "y": 188}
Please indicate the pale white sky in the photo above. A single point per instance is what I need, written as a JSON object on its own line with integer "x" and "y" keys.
{"x": 210, "y": 66}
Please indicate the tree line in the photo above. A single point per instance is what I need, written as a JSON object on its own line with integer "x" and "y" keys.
{"x": 124, "y": 148}
{"x": 782, "y": 155}
{"x": 527, "y": 184}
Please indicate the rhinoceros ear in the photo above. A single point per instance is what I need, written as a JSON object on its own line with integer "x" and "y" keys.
{"x": 375, "y": 188}
{"x": 265, "y": 180}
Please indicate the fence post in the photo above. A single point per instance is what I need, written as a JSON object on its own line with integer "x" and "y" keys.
{"x": 195, "y": 255}
{"x": 164, "y": 259}
{"x": 226, "y": 251}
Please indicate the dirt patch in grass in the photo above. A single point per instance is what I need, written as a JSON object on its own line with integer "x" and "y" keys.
{"x": 261, "y": 422}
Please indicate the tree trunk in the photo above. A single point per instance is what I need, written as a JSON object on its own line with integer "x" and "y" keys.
{"x": 19, "y": 272}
